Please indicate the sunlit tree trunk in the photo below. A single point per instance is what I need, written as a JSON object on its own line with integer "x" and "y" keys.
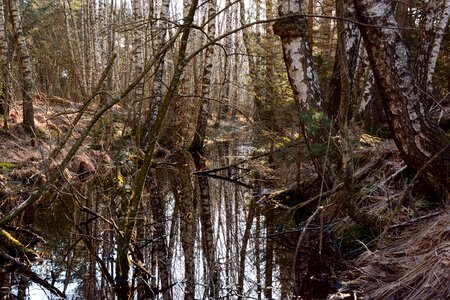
{"x": 417, "y": 138}
{"x": 297, "y": 54}
{"x": 292, "y": 30}
{"x": 427, "y": 28}
{"x": 25, "y": 68}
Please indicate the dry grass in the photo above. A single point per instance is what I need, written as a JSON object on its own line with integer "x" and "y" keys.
{"x": 416, "y": 266}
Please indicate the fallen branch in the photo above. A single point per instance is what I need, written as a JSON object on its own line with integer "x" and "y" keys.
{"x": 24, "y": 269}
{"x": 415, "y": 220}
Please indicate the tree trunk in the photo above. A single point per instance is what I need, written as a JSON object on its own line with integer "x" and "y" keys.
{"x": 138, "y": 64}
{"x": 224, "y": 105}
{"x": 417, "y": 138}
{"x": 292, "y": 30}
{"x": 435, "y": 49}
{"x": 297, "y": 54}
{"x": 401, "y": 13}
{"x": 269, "y": 224}
{"x": 352, "y": 44}
{"x": 196, "y": 149}
{"x": 183, "y": 191}
{"x": 159, "y": 74}
{"x": 159, "y": 217}
{"x": 25, "y": 68}
{"x": 4, "y": 62}
{"x": 243, "y": 252}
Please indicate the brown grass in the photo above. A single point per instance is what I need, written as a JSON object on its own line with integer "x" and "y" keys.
{"x": 416, "y": 266}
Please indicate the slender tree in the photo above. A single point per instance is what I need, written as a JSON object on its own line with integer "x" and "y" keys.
{"x": 25, "y": 68}
{"x": 209, "y": 245}
{"x": 4, "y": 75}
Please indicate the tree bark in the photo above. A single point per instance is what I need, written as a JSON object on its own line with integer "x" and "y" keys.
{"x": 417, "y": 138}
{"x": 401, "y": 13}
{"x": 196, "y": 149}
{"x": 159, "y": 74}
{"x": 297, "y": 54}
{"x": 138, "y": 64}
{"x": 183, "y": 191}
{"x": 162, "y": 257}
{"x": 351, "y": 47}
{"x": 4, "y": 76}
{"x": 243, "y": 252}
{"x": 25, "y": 68}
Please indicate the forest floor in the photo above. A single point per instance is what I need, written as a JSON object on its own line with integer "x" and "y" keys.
{"x": 410, "y": 259}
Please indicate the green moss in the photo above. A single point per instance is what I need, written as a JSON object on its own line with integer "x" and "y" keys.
{"x": 6, "y": 166}
{"x": 13, "y": 247}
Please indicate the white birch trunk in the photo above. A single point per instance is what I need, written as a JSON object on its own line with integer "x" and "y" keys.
{"x": 297, "y": 54}
{"x": 158, "y": 82}
{"x": 434, "y": 54}
{"x": 25, "y": 67}
{"x": 138, "y": 62}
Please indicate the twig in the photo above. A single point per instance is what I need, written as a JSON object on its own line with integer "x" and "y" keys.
{"x": 415, "y": 220}
{"x": 409, "y": 188}
{"x": 297, "y": 248}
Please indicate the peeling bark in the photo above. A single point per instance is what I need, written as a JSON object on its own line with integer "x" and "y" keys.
{"x": 297, "y": 55}
{"x": 417, "y": 138}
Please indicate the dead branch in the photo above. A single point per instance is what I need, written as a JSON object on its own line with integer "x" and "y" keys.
{"x": 24, "y": 270}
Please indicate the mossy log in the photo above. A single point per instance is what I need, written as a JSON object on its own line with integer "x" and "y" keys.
{"x": 15, "y": 248}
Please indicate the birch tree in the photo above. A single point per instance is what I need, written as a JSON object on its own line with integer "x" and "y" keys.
{"x": 138, "y": 62}
{"x": 421, "y": 142}
{"x": 209, "y": 246}
{"x": 157, "y": 88}
{"x": 25, "y": 68}
{"x": 131, "y": 206}
{"x": 4, "y": 76}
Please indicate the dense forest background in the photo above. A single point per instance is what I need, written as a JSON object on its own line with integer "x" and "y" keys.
{"x": 224, "y": 149}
